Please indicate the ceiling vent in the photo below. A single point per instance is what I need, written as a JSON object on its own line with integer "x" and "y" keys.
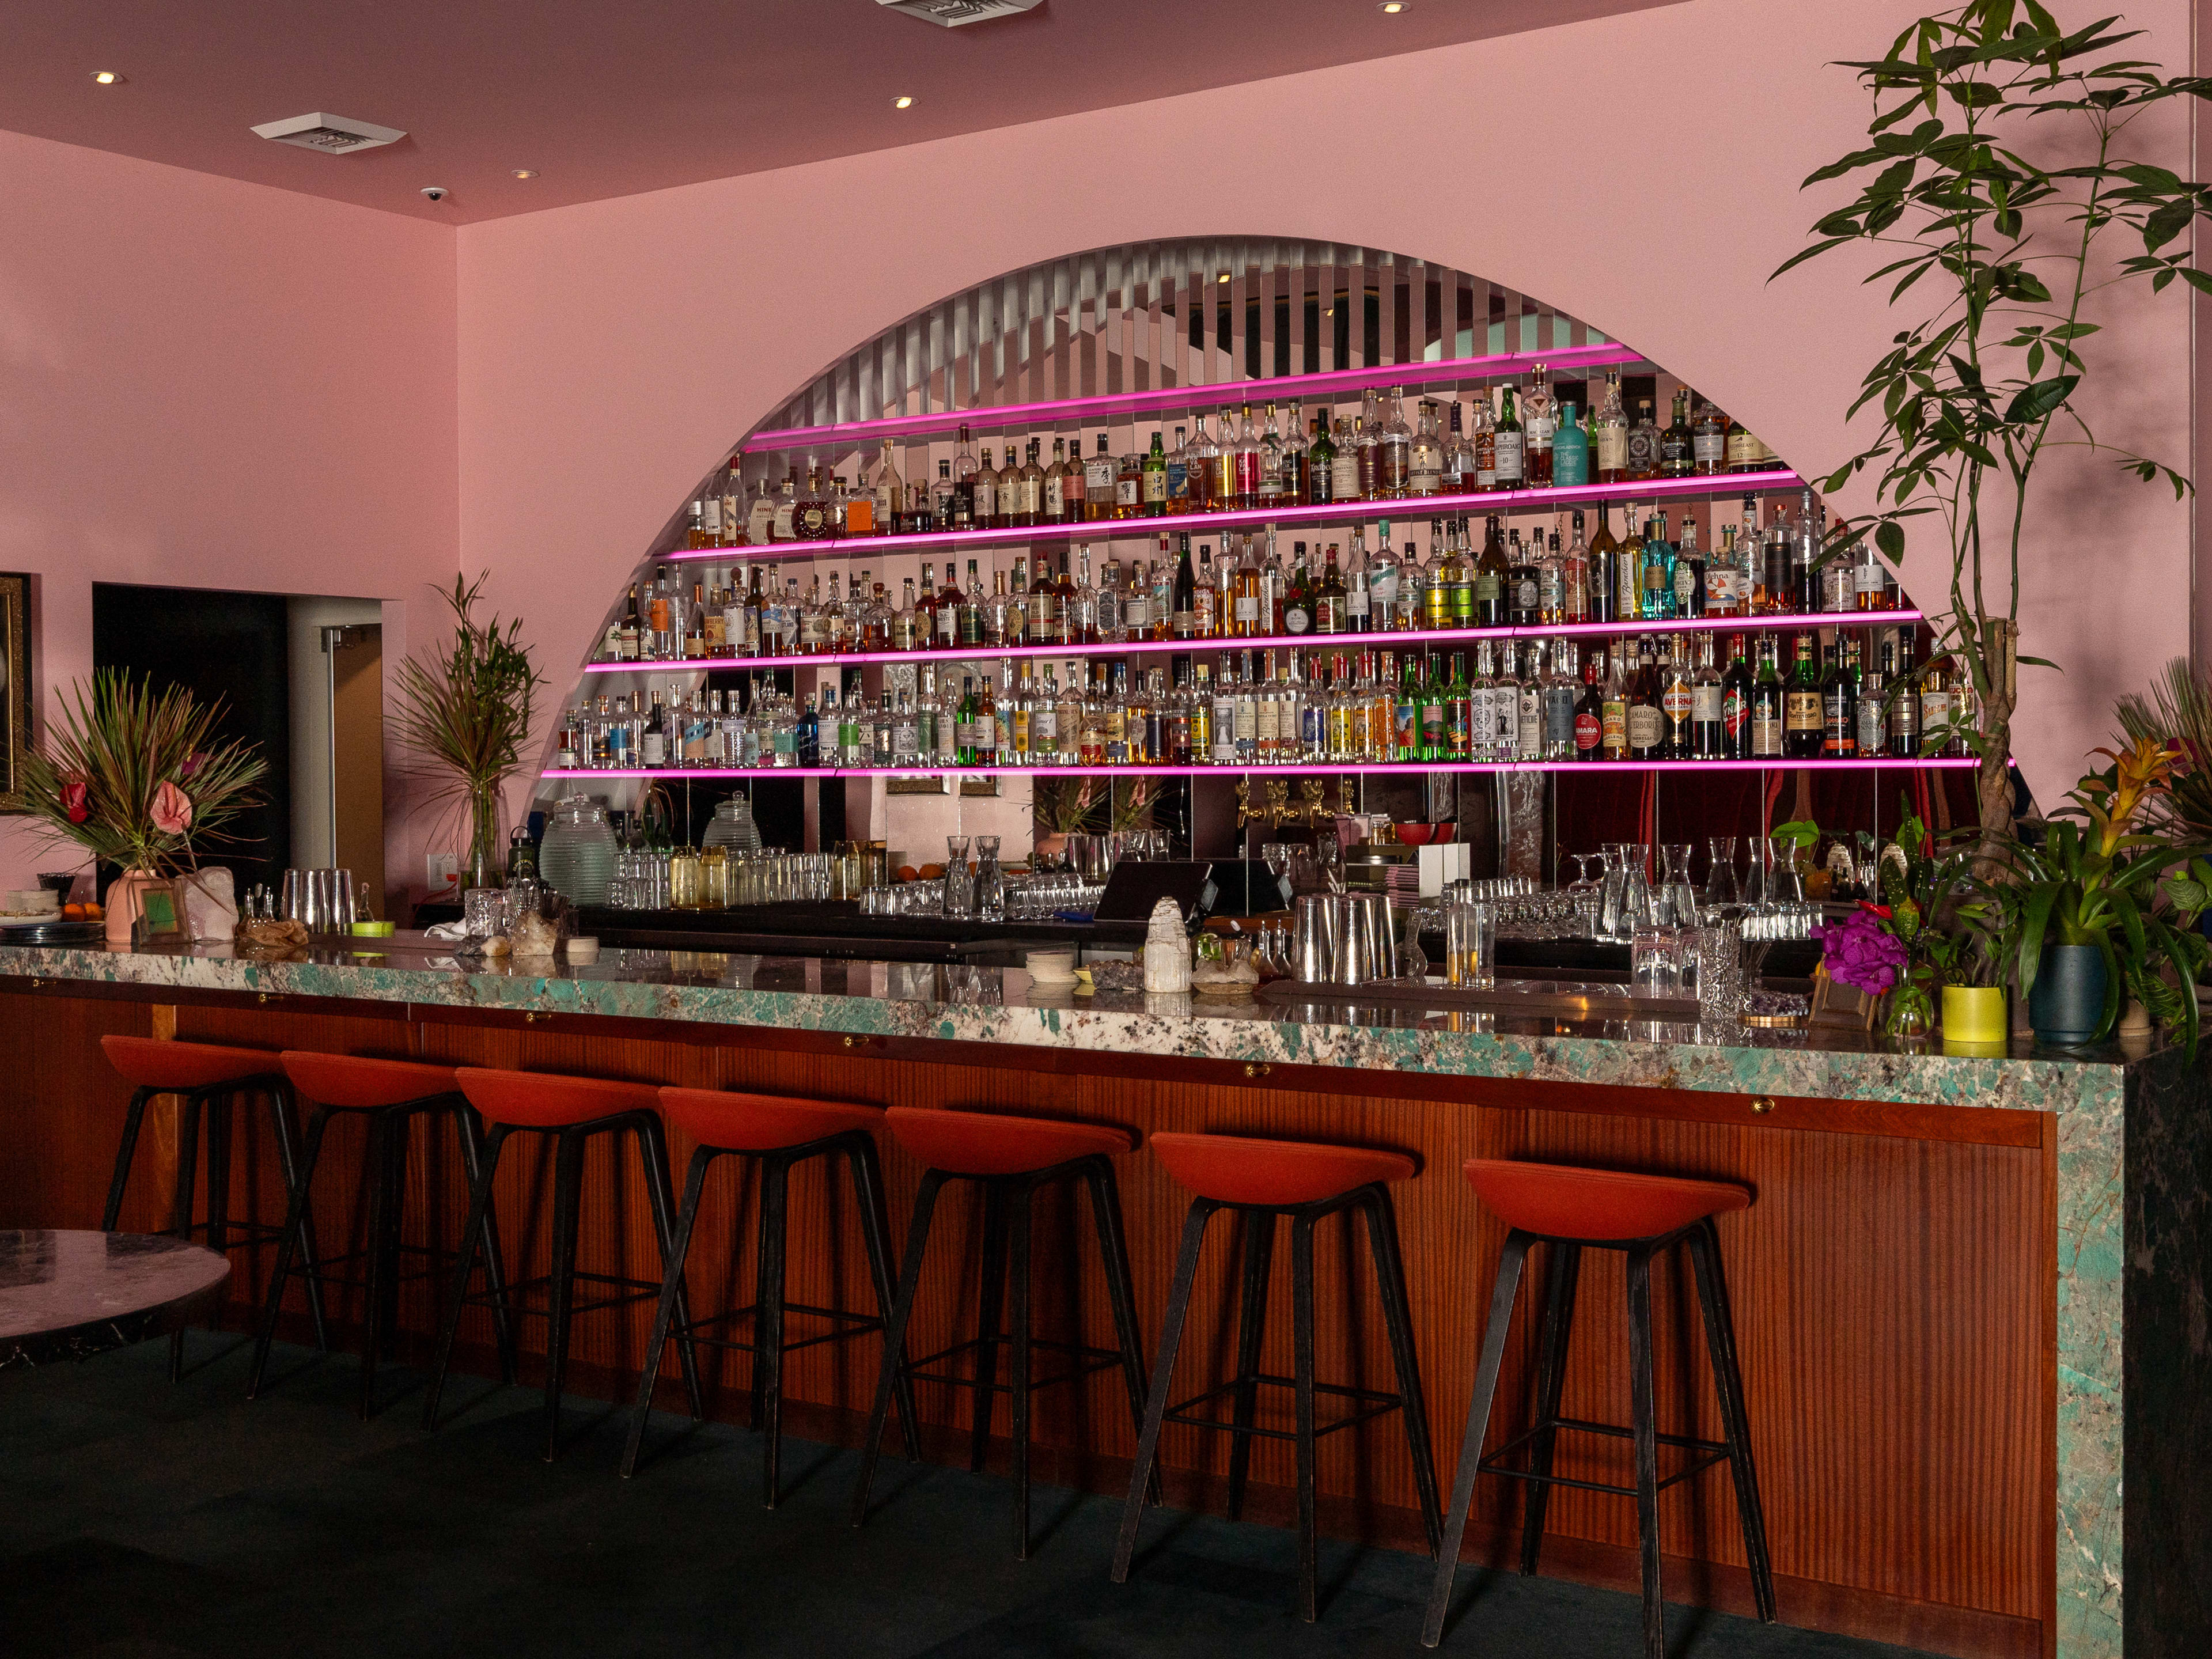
{"x": 956, "y": 13}
{"x": 332, "y": 134}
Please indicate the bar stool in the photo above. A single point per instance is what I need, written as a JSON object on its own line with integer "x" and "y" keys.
{"x": 571, "y": 1110}
{"x": 1011, "y": 1160}
{"x": 208, "y": 1077}
{"x": 1566, "y": 1208}
{"x": 1262, "y": 1180}
{"x": 388, "y": 1094}
{"x": 781, "y": 1133}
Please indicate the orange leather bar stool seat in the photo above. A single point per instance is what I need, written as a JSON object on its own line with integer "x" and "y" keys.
{"x": 149, "y": 1063}
{"x": 1564, "y": 1200}
{"x": 986, "y": 1143}
{"x": 572, "y": 1110}
{"x": 1265, "y": 1181}
{"x": 1245, "y": 1170}
{"x": 387, "y": 1094}
{"x": 208, "y": 1080}
{"x": 1010, "y": 1160}
{"x": 1567, "y": 1209}
{"x": 779, "y": 1132}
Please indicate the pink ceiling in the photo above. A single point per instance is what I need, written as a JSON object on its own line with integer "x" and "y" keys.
{"x": 608, "y": 100}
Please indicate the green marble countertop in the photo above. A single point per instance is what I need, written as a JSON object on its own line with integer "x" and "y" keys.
{"x": 990, "y": 1004}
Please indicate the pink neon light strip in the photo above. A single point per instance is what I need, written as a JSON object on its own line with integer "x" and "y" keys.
{"x": 1259, "y": 518}
{"x": 1217, "y": 394}
{"x": 1321, "y": 642}
{"x": 1880, "y": 763}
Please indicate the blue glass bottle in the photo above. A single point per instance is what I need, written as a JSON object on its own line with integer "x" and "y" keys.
{"x": 1570, "y": 450}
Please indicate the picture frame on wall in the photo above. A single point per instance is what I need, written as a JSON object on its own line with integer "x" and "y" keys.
{"x": 16, "y": 685}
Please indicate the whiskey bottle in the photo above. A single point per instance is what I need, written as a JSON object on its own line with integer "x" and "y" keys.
{"x": 1689, "y": 571}
{"x": 1321, "y": 464}
{"x": 1329, "y": 615}
{"x": 1394, "y": 450}
{"x": 1367, "y": 441}
{"x": 983, "y": 493}
{"x": 1708, "y": 439}
{"x": 886, "y": 491}
{"x": 1510, "y": 455}
{"x": 1676, "y": 455}
{"x": 1295, "y": 461}
{"x": 1425, "y": 456}
{"x": 1523, "y": 585}
{"x": 1271, "y": 463}
{"x": 1199, "y": 467}
{"x": 1129, "y": 486}
{"x": 1043, "y": 611}
{"x": 1874, "y": 705}
{"x": 1055, "y": 486}
{"x": 1029, "y": 491}
{"x": 1344, "y": 465}
{"x": 1178, "y": 474}
{"x": 1297, "y": 595}
{"x": 1539, "y": 423}
{"x": 1183, "y": 620}
{"x": 734, "y": 528}
{"x": 699, "y": 535}
{"x": 1244, "y": 616}
{"x": 1708, "y": 705}
{"x": 1642, "y": 453}
{"x": 1839, "y": 713}
{"x": 1745, "y": 453}
{"x": 1609, "y": 434}
{"x": 1482, "y": 467}
{"x": 1551, "y": 580}
{"x": 1458, "y": 458}
{"x": 1802, "y": 710}
{"x": 1099, "y": 472}
{"x": 1206, "y": 610}
{"x": 1153, "y": 489}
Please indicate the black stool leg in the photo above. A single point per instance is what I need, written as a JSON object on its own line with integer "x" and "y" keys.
{"x": 768, "y": 1321}
{"x": 132, "y": 1118}
{"x": 1023, "y": 1203}
{"x": 1644, "y": 1418}
{"x": 561, "y": 1287}
{"x": 1398, "y": 1321}
{"x": 990, "y": 1308}
{"x": 219, "y": 1108}
{"x": 671, "y": 1272}
{"x": 889, "y": 1370}
{"x": 1562, "y": 1268}
{"x": 1155, "y": 1400}
{"x": 469, "y": 1130}
{"x": 288, "y": 1249}
{"x": 287, "y": 1159}
{"x": 652, "y": 1153}
{"x": 1120, "y": 1294}
{"x": 180, "y": 1209}
{"x": 1704, "y": 1247}
{"x": 1503, "y": 1291}
{"x": 376, "y": 1160}
{"x": 1302, "y": 1373}
{"x": 876, "y": 1238}
{"x": 464, "y": 1261}
{"x": 1259, "y": 1250}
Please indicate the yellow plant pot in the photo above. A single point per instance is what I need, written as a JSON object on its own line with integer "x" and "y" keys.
{"x": 1974, "y": 1013}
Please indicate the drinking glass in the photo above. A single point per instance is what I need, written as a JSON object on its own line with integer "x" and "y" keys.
{"x": 1654, "y": 962}
{"x": 484, "y": 911}
{"x": 1471, "y": 944}
{"x": 990, "y": 881}
{"x": 959, "y": 887}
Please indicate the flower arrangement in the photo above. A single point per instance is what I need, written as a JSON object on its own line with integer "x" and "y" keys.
{"x": 1066, "y": 806}
{"x": 137, "y": 777}
{"x": 1928, "y": 932}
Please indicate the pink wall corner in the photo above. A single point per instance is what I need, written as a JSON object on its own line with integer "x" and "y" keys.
{"x": 611, "y": 353}
{"x": 213, "y": 383}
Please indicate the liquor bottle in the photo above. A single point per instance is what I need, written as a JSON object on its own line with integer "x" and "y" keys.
{"x": 1647, "y": 718}
{"x": 1178, "y": 474}
{"x": 1511, "y": 455}
{"x": 1329, "y": 598}
{"x": 1642, "y": 444}
{"x": 1183, "y": 602}
{"x": 1539, "y": 426}
{"x": 1524, "y": 587}
{"x": 1243, "y": 473}
{"x": 1079, "y": 602}
{"x": 972, "y": 607}
{"x": 1904, "y": 702}
{"x": 1677, "y": 456}
{"x": 1406, "y": 710}
{"x": 1800, "y": 704}
{"x": 1570, "y": 450}
{"x": 784, "y": 526}
{"x": 806, "y": 735}
{"x": 760, "y": 518}
{"x": 1129, "y": 486}
{"x": 1770, "y": 719}
{"x": 1199, "y": 471}
{"x": 1206, "y": 598}
{"x": 1429, "y": 712}
{"x": 886, "y": 490}
{"x": 1590, "y": 709}
{"x": 1425, "y": 463}
{"x": 1099, "y": 473}
{"x": 1609, "y": 434}
{"x": 1298, "y": 594}
{"x": 1152, "y": 484}
{"x": 1015, "y": 706}
{"x": 1458, "y": 458}
{"x": 1745, "y": 453}
{"x": 1321, "y": 463}
{"x": 1708, "y": 439}
{"x": 1067, "y": 717}
{"x": 1805, "y": 550}
{"x": 1384, "y": 575}
{"x": 1393, "y": 450}
{"x": 1613, "y": 709}
{"x": 1042, "y": 613}
{"x": 1225, "y": 486}
{"x": 1839, "y": 713}
{"x": 1689, "y": 570}
{"x": 1483, "y": 692}
{"x": 630, "y": 632}
{"x": 1052, "y": 507}
{"x": 990, "y": 737}
{"x": 1493, "y": 580}
{"x": 1645, "y": 567}
{"x": 1935, "y": 706}
{"x": 1869, "y": 580}
{"x": 1677, "y": 696}
{"x": 1245, "y": 607}
{"x": 1735, "y": 703}
{"x": 1483, "y": 446}
{"x": 1294, "y": 460}
{"x": 1359, "y": 598}
{"x": 1561, "y": 690}
{"x": 698, "y": 534}
{"x": 1459, "y": 713}
{"x": 1344, "y": 462}
{"x": 1529, "y": 724}
{"x": 1505, "y": 707}
{"x": 1607, "y": 603}
{"x": 984, "y": 487}
{"x": 1873, "y": 713}
{"x": 730, "y": 489}
{"x": 1271, "y": 462}
{"x": 1366, "y": 443}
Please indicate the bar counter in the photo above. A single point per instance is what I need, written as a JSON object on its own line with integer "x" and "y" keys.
{"x": 1965, "y": 1291}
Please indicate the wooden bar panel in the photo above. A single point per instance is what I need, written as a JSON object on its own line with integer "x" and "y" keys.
{"x": 1892, "y": 1282}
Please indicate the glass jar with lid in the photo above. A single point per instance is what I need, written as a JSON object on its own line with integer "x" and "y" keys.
{"x": 733, "y": 827}
{"x": 577, "y": 859}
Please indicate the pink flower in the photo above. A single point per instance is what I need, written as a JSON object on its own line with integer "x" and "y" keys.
{"x": 1860, "y": 952}
{"x": 77, "y": 796}
{"x": 172, "y": 809}
{"x": 193, "y": 761}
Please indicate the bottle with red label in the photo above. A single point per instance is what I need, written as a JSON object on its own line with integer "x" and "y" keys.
{"x": 1735, "y": 702}
{"x": 1590, "y": 712}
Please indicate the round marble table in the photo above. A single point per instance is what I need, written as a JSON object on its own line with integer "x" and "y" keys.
{"x": 69, "y": 1294}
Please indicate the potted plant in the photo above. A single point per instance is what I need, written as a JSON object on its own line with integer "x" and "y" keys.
{"x": 464, "y": 716}
{"x": 137, "y": 778}
{"x": 2105, "y": 905}
{"x": 1999, "y": 157}
{"x": 1927, "y": 935}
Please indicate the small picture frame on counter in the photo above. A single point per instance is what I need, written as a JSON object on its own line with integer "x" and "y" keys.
{"x": 161, "y": 919}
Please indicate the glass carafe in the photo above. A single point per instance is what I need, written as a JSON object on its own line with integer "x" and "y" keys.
{"x": 733, "y": 827}
{"x": 1636, "y": 908}
{"x": 577, "y": 859}
{"x": 1610, "y": 913}
{"x": 1720, "y": 880}
{"x": 959, "y": 887}
{"x": 1677, "y": 901}
{"x": 990, "y": 881}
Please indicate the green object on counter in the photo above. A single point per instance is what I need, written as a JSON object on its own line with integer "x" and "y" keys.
{"x": 373, "y": 929}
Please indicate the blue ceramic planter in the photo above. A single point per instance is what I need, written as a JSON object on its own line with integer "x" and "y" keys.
{"x": 2066, "y": 1003}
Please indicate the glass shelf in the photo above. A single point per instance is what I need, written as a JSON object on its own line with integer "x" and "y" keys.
{"x": 1384, "y": 768}
{"x": 1207, "y": 396}
{"x": 1400, "y": 641}
{"x": 1703, "y": 487}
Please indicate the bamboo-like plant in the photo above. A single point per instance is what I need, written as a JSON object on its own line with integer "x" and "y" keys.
{"x": 136, "y": 777}
{"x": 465, "y": 717}
{"x": 1977, "y": 392}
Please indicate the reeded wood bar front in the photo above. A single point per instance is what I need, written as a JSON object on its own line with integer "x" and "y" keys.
{"x": 1894, "y": 1282}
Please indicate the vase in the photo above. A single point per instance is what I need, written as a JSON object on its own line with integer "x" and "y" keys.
{"x": 1974, "y": 1013}
{"x": 1909, "y": 1015}
{"x": 2067, "y": 1005}
{"x": 482, "y": 867}
{"x": 124, "y": 905}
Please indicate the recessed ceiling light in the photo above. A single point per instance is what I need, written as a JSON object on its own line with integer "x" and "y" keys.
{"x": 1392, "y": 8}
{"x": 1225, "y": 276}
{"x": 901, "y": 103}
{"x": 526, "y": 173}
{"x": 105, "y": 77}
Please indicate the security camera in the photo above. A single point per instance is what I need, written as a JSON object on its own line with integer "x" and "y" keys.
{"x": 435, "y": 192}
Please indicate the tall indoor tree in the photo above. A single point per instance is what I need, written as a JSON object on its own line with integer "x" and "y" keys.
{"x": 1999, "y": 157}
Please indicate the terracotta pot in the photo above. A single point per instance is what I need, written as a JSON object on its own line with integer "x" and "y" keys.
{"x": 1974, "y": 1013}
{"x": 1051, "y": 846}
{"x": 124, "y": 906}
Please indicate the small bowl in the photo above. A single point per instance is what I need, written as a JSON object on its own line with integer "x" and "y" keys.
{"x": 1417, "y": 834}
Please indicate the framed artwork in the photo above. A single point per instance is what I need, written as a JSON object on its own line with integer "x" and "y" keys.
{"x": 15, "y": 688}
{"x": 918, "y": 783}
{"x": 160, "y": 913}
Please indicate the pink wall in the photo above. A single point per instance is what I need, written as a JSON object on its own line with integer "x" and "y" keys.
{"x": 212, "y": 384}
{"x": 611, "y": 353}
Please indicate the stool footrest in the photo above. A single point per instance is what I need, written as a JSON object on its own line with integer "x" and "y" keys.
{"x": 243, "y": 1235}
{"x": 635, "y": 1290}
{"x": 1091, "y": 1359}
{"x": 847, "y": 1323}
{"x": 1375, "y": 1401}
{"x": 1715, "y": 1452}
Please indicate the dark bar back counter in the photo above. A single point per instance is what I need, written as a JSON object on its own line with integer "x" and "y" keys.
{"x": 1961, "y": 1288}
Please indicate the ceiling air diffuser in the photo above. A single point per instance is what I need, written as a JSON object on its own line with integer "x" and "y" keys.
{"x": 955, "y": 14}
{"x": 334, "y": 135}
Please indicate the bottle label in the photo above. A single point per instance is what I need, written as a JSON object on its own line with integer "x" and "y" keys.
{"x": 1722, "y": 585}
{"x": 1428, "y": 474}
{"x": 1044, "y": 728}
{"x": 1432, "y": 724}
{"x": 1358, "y": 603}
{"x": 1509, "y": 460}
{"x": 1874, "y": 726}
{"x": 1124, "y": 491}
{"x": 1709, "y": 450}
{"x": 1525, "y": 593}
{"x": 1155, "y": 485}
{"x": 1869, "y": 578}
{"x": 1571, "y": 460}
{"x": 1137, "y": 615}
{"x": 1647, "y": 727}
{"x": 1686, "y": 588}
{"x": 1590, "y": 732}
{"x": 1247, "y": 608}
{"x": 1296, "y": 619}
{"x": 1614, "y": 717}
{"x": 1707, "y": 705}
{"x": 1099, "y": 477}
{"x": 987, "y": 501}
{"x": 1766, "y": 731}
{"x": 1344, "y": 475}
{"x": 1055, "y": 498}
{"x": 1801, "y": 711}
{"x": 1675, "y": 702}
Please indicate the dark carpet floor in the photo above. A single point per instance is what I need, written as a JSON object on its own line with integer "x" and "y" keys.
{"x": 142, "y": 1521}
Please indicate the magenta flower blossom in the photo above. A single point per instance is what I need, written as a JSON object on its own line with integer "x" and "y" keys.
{"x": 1860, "y": 952}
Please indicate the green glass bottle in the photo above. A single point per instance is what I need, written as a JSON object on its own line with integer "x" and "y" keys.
{"x": 1459, "y": 712}
{"x": 1434, "y": 742}
{"x": 1407, "y": 745}
{"x": 1153, "y": 490}
{"x": 963, "y": 724}
{"x": 1321, "y": 462}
